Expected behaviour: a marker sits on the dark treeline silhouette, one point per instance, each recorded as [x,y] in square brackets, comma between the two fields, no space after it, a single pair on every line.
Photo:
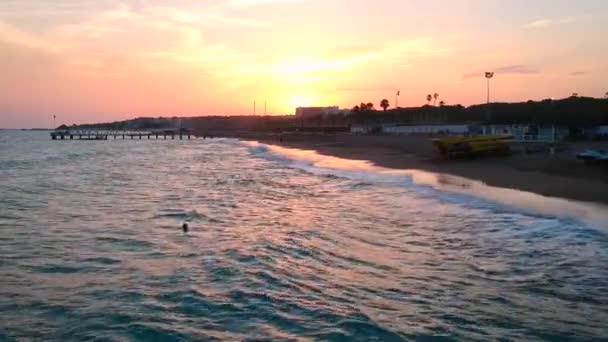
[573,111]
[142,123]
[576,111]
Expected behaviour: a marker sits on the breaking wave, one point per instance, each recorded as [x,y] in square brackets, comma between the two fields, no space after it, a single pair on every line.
[445,187]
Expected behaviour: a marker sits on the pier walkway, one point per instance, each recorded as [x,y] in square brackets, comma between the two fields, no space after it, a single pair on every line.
[94,134]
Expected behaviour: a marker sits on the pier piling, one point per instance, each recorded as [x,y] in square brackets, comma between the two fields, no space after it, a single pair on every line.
[81,134]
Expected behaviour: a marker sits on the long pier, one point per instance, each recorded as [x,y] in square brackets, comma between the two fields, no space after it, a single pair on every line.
[93,134]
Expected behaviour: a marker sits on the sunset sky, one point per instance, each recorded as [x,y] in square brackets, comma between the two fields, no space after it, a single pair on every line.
[105,60]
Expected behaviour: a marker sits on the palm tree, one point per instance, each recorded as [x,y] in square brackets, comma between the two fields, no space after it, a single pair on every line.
[384,104]
[441,103]
[370,106]
[435,96]
[355,110]
[429,98]
[363,107]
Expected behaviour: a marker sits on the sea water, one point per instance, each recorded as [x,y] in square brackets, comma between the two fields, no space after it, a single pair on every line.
[283,245]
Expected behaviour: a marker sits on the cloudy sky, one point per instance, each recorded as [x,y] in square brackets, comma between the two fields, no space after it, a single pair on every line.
[104,60]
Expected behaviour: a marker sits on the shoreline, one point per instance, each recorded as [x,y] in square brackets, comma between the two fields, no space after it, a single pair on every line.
[561,175]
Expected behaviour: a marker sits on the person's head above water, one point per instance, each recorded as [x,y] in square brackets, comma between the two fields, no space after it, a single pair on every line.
[185,227]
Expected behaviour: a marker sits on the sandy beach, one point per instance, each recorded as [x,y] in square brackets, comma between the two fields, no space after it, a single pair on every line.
[560,175]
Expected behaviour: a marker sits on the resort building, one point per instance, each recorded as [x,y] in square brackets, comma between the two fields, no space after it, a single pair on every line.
[601,131]
[426,129]
[312,112]
[411,129]
[528,133]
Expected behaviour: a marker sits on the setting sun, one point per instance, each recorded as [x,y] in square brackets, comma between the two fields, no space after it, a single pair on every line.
[296,101]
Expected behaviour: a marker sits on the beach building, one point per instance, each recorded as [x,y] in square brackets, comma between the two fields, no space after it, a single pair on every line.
[528,133]
[313,112]
[426,129]
[361,129]
[397,129]
[590,132]
[601,131]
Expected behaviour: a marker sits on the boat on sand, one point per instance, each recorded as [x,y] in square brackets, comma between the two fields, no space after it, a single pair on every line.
[475,145]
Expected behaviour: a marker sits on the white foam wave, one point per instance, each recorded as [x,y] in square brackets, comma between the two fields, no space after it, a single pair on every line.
[442,186]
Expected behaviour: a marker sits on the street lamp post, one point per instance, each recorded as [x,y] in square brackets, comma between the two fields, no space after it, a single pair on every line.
[489,75]
[397,98]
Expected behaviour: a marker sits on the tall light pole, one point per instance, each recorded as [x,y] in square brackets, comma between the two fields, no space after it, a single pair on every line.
[489,75]
[397,98]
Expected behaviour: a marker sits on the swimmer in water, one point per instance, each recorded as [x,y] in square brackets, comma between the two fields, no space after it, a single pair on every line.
[185,227]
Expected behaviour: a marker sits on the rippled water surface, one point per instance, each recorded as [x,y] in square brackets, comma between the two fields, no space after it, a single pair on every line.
[279,249]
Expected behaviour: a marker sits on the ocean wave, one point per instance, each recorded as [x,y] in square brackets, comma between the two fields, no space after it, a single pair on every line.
[443,187]
[180,214]
[307,249]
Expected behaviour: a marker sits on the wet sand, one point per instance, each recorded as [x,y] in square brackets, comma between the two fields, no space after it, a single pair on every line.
[560,175]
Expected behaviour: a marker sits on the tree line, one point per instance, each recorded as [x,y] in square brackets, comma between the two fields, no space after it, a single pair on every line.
[572,111]
[385,104]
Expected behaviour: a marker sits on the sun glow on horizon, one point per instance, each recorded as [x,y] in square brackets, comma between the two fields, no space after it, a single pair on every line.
[303,100]
[98,60]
